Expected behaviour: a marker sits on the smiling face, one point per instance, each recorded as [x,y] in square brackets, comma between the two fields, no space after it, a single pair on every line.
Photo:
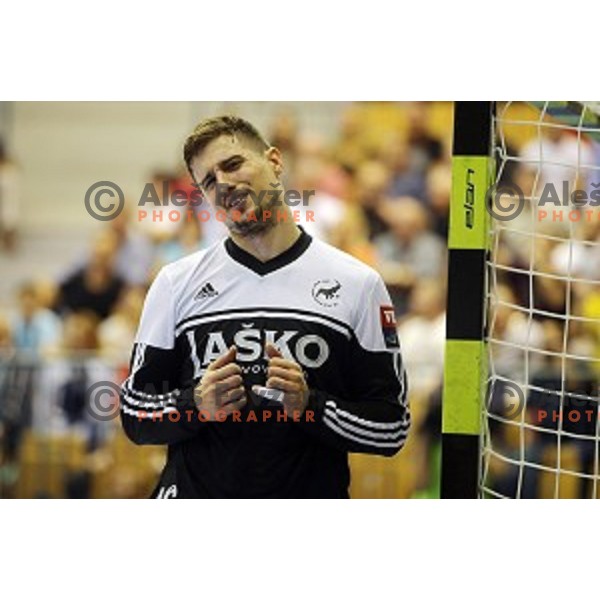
[236,177]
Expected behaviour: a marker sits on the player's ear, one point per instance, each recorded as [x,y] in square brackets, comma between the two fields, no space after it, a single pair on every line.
[273,155]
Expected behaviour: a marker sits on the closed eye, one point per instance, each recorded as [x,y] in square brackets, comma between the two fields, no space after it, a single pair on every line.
[232,164]
[228,165]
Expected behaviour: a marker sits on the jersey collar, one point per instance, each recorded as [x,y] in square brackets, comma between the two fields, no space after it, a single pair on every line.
[281,260]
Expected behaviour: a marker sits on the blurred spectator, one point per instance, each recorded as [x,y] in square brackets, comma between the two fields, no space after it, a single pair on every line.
[284,131]
[363,220]
[516,241]
[349,151]
[328,211]
[512,331]
[11,417]
[6,353]
[116,334]
[35,328]
[439,190]
[284,135]
[17,384]
[10,200]
[96,286]
[409,250]
[61,401]
[162,215]
[406,178]
[557,154]
[513,445]
[189,239]
[5,334]
[80,337]
[134,252]
[423,336]
[587,297]
[549,291]
[557,157]
[569,386]
[47,293]
[573,258]
[371,185]
[579,256]
[425,148]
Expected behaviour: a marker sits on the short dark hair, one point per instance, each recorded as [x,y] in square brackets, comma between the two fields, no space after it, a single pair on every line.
[210,129]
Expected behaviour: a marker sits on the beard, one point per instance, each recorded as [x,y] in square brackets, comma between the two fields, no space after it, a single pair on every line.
[258,225]
[250,227]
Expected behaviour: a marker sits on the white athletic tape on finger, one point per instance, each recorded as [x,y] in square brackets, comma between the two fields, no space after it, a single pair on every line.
[269,393]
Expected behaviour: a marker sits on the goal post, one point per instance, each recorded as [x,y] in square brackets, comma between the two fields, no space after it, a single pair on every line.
[465,366]
[522,366]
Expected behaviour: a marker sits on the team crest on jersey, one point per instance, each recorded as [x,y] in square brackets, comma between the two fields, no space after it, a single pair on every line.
[327,292]
[388,326]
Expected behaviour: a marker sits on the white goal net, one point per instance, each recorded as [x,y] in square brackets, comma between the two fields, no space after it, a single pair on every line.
[540,426]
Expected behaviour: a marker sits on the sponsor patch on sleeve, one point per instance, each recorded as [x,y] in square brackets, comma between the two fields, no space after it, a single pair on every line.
[388,326]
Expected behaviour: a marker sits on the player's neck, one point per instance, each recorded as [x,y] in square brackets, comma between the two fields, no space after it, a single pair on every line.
[270,243]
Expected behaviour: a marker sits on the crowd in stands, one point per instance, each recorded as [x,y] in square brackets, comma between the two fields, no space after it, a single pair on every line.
[383,188]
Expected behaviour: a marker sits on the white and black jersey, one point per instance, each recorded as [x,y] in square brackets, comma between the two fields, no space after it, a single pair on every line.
[323,309]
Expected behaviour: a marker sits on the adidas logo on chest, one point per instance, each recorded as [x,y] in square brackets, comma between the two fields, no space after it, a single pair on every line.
[206,291]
